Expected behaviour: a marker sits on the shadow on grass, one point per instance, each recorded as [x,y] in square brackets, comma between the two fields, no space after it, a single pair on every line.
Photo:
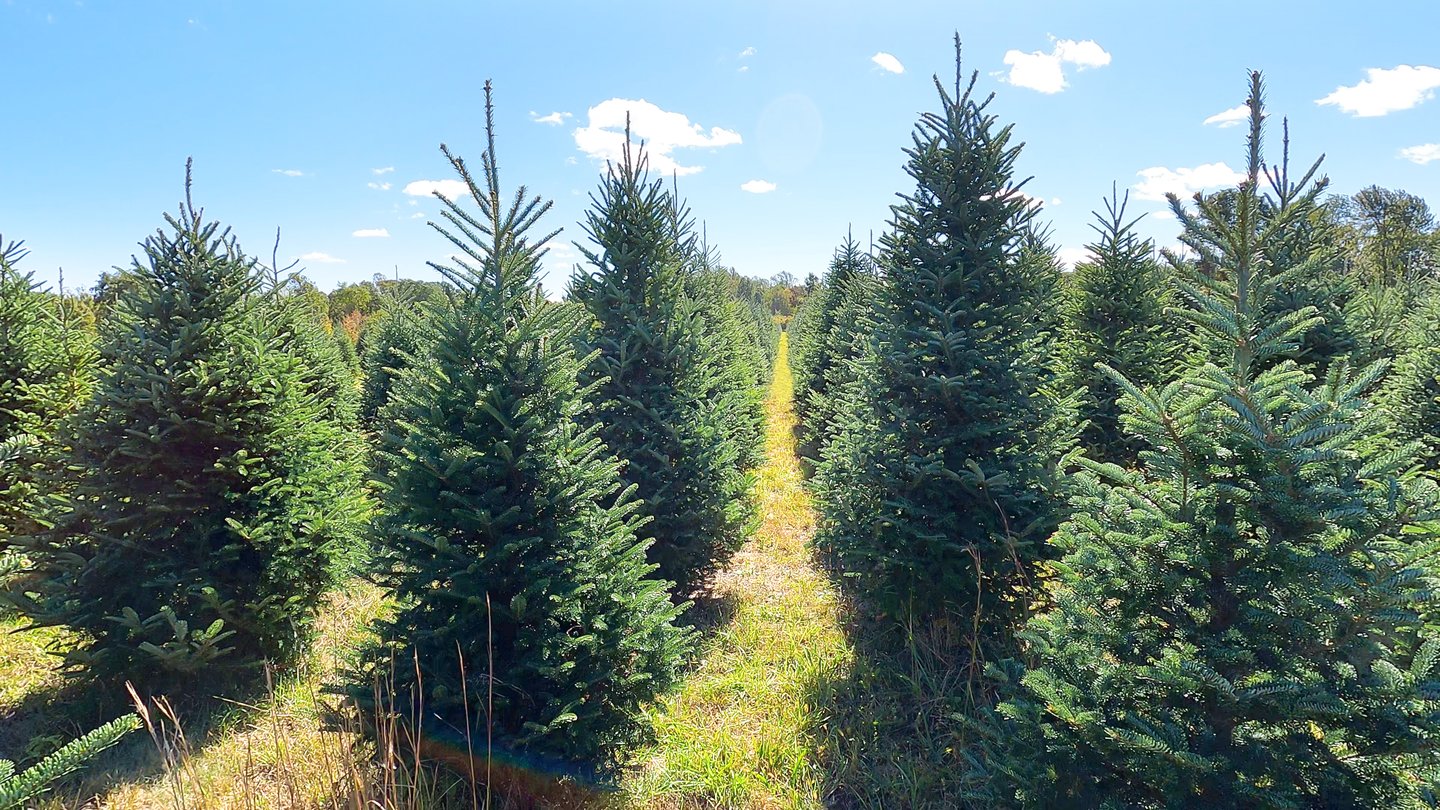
[59,711]
[897,724]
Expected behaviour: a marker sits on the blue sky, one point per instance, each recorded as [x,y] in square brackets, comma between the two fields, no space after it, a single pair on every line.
[786,119]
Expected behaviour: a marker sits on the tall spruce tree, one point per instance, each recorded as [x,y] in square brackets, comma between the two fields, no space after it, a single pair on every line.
[206,515]
[740,337]
[824,339]
[1247,620]
[1114,314]
[25,335]
[652,378]
[935,497]
[505,539]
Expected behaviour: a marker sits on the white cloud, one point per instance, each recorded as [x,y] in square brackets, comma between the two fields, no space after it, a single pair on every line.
[743,69]
[603,138]
[1045,72]
[1054,200]
[1164,213]
[379,186]
[1385,91]
[452,189]
[289,172]
[560,253]
[321,258]
[554,119]
[1422,154]
[418,215]
[888,62]
[372,233]
[757,186]
[385,170]
[1158,180]
[1071,256]
[747,52]
[1230,118]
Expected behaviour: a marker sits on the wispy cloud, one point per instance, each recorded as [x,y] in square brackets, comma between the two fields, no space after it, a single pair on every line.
[289,172]
[887,62]
[321,258]
[452,189]
[378,186]
[1157,181]
[1421,154]
[1385,91]
[1045,72]
[554,119]
[662,131]
[758,186]
[385,170]
[1229,118]
[372,233]
[750,51]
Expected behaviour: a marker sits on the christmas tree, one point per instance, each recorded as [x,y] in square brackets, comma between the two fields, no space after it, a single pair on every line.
[524,602]
[934,492]
[652,378]
[1246,620]
[206,513]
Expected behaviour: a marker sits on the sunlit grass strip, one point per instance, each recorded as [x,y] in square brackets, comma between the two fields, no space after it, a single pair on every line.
[741,732]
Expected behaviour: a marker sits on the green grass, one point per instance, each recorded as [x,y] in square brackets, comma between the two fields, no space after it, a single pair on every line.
[742,731]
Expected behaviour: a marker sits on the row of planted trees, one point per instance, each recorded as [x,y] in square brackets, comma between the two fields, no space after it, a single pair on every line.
[1175,515]
[542,487]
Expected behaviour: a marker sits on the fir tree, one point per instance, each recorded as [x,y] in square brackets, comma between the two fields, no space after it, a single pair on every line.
[21,789]
[1240,622]
[935,494]
[1410,400]
[1114,315]
[390,343]
[24,334]
[824,341]
[653,379]
[205,518]
[740,339]
[47,358]
[505,540]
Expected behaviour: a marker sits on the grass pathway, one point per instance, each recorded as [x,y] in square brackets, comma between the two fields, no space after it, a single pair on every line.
[741,732]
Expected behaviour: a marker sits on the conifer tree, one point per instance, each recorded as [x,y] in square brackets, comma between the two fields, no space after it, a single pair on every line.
[47,358]
[740,338]
[1410,400]
[935,495]
[823,341]
[505,540]
[1246,620]
[205,518]
[24,334]
[390,342]
[653,380]
[1114,315]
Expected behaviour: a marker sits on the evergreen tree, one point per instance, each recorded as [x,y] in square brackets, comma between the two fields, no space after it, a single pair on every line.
[505,540]
[1242,621]
[390,343]
[822,342]
[652,379]
[1410,401]
[47,358]
[740,338]
[206,514]
[24,335]
[1114,315]
[935,493]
